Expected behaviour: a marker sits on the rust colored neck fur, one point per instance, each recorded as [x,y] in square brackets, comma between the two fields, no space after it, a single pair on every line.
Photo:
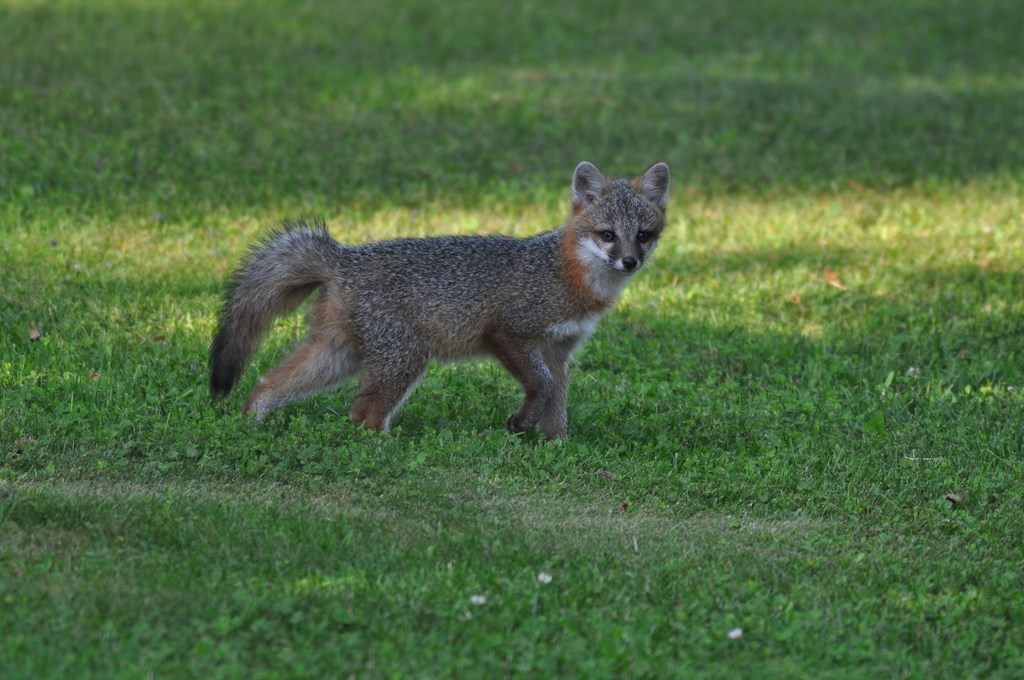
[574,275]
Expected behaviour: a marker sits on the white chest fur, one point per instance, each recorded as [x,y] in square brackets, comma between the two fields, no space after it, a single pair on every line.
[581,328]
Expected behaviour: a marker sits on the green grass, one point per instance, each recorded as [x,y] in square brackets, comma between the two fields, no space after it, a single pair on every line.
[765,432]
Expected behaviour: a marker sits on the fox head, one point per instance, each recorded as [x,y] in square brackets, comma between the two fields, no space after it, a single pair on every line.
[617,223]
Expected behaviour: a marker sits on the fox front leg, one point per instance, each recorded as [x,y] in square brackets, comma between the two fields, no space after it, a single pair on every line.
[539,386]
[554,422]
[538,395]
[528,367]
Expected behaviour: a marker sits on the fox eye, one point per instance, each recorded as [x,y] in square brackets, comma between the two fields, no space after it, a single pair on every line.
[643,236]
[607,236]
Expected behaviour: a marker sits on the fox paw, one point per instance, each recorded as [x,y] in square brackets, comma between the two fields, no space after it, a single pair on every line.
[516,424]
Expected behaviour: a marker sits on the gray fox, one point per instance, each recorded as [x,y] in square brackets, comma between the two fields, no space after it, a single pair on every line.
[386,309]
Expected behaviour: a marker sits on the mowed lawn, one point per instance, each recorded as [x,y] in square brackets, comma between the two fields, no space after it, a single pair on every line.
[796,444]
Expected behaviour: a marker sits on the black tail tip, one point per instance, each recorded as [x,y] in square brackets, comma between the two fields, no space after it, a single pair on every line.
[222,380]
[218,392]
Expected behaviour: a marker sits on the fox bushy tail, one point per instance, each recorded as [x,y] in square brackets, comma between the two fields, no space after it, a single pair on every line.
[278,275]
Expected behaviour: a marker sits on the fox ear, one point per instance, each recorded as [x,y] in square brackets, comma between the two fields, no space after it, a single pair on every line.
[587,183]
[653,185]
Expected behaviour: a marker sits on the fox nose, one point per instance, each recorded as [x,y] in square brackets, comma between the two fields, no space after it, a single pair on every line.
[629,263]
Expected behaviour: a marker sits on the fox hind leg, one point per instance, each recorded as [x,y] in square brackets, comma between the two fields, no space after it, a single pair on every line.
[381,394]
[316,365]
[389,373]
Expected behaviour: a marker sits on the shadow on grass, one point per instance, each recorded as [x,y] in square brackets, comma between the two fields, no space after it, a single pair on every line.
[331,103]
